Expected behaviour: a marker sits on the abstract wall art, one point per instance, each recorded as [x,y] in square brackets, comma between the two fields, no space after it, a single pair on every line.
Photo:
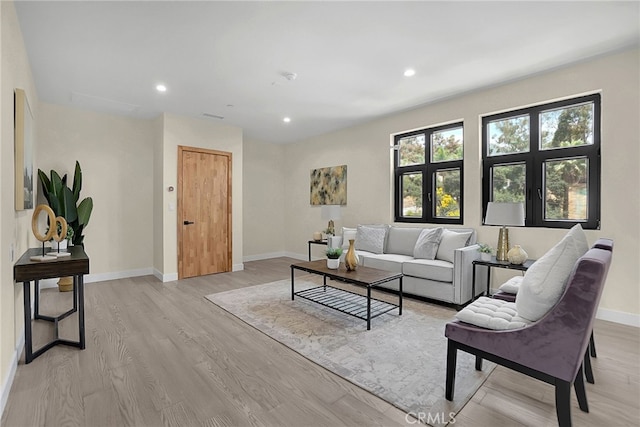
[329,186]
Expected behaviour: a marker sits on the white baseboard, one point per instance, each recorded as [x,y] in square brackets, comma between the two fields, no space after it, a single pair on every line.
[13,367]
[238,267]
[263,256]
[619,317]
[170,277]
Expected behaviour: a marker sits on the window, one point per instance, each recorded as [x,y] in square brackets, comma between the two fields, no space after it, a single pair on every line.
[548,157]
[428,175]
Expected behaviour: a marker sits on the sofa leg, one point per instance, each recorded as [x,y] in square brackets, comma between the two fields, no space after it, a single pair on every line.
[563,403]
[452,354]
[581,394]
[478,363]
[592,346]
[588,372]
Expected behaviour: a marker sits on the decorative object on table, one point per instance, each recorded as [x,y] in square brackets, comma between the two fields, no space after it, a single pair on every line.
[504,214]
[485,251]
[333,258]
[329,186]
[517,255]
[43,237]
[23,148]
[59,237]
[351,258]
[66,203]
[330,212]
[317,236]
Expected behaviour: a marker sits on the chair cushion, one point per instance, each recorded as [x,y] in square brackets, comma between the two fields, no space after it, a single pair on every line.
[450,241]
[402,240]
[492,313]
[426,246]
[387,262]
[438,270]
[544,282]
[512,286]
[371,238]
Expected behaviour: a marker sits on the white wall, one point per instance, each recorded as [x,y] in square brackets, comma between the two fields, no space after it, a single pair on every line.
[365,150]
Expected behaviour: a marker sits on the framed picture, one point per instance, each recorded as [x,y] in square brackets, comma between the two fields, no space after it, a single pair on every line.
[23,121]
[329,186]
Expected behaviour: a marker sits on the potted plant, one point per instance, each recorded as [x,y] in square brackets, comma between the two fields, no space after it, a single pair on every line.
[333,258]
[485,251]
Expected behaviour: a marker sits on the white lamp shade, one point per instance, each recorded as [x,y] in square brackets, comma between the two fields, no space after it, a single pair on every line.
[330,212]
[511,214]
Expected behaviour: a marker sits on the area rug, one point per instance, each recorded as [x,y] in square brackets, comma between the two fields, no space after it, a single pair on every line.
[402,359]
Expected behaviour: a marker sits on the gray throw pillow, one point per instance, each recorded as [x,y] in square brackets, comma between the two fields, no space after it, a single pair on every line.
[371,238]
[451,240]
[427,244]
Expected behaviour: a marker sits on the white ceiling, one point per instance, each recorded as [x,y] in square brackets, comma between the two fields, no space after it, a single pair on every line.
[227,58]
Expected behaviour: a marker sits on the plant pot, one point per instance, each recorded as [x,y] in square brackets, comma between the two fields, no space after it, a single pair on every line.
[485,256]
[65,284]
[63,245]
[333,264]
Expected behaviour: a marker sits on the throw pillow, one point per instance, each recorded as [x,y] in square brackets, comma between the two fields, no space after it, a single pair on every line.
[451,241]
[512,286]
[370,238]
[545,281]
[427,244]
[347,234]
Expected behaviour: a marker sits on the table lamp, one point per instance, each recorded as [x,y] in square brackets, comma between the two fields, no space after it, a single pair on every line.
[504,214]
[330,212]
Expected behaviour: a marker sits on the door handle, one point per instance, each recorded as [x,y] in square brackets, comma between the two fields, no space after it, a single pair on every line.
[188,222]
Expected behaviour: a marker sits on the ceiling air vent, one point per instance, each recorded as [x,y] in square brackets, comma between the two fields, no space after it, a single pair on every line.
[212,116]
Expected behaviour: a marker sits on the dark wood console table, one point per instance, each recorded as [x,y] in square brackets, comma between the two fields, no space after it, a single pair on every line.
[25,270]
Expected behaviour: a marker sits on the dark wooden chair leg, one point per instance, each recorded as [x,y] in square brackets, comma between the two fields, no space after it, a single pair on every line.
[581,394]
[563,403]
[478,363]
[592,346]
[588,372]
[452,355]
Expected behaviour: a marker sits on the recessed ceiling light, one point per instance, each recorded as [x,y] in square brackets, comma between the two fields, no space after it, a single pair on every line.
[161,88]
[286,119]
[409,72]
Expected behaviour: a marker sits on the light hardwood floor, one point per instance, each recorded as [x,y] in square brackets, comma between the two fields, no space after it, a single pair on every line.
[161,354]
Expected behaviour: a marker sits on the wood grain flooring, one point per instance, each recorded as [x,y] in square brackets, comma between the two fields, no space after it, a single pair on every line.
[160,354]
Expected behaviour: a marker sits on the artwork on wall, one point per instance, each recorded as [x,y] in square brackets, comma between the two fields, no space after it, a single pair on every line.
[23,162]
[329,186]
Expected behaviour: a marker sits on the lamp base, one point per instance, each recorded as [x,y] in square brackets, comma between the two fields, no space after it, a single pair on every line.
[331,228]
[503,244]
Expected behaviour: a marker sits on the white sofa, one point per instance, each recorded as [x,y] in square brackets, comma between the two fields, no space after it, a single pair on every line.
[446,278]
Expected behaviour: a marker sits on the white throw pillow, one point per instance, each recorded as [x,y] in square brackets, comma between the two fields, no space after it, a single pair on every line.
[545,280]
[512,286]
[427,244]
[347,234]
[451,241]
[370,238]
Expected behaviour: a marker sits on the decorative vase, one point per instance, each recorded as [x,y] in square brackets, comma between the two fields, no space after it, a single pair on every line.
[333,264]
[317,236]
[517,255]
[484,256]
[351,258]
[65,284]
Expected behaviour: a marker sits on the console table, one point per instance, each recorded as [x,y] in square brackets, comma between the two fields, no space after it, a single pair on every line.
[25,270]
[316,242]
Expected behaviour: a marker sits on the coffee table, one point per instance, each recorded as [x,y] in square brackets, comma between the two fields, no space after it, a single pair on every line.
[354,304]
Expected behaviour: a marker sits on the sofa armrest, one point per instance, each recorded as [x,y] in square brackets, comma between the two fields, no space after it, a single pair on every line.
[334,241]
[463,274]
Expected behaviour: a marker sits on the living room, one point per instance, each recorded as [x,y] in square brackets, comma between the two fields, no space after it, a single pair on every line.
[129,164]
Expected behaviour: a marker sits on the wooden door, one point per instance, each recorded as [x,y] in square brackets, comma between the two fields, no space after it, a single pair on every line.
[204,212]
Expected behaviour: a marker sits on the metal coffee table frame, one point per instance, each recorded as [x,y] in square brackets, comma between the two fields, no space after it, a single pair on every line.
[351,303]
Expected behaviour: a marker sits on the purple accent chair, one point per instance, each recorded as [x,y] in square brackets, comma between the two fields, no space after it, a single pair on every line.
[551,349]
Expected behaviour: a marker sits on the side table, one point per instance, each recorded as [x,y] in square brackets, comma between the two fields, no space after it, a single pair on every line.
[316,242]
[494,263]
[25,270]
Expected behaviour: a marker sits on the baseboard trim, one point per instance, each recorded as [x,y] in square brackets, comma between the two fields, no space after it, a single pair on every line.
[238,267]
[171,277]
[11,374]
[263,256]
[619,317]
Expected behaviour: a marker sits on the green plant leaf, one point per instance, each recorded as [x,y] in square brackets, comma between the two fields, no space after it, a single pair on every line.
[84,211]
[68,205]
[46,185]
[56,184]
[77,181]
[54,204]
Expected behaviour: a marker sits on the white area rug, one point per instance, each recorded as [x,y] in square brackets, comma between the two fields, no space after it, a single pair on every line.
[402,359]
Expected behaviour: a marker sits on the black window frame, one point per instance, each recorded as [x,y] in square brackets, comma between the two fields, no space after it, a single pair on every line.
[535,160]
[428,170]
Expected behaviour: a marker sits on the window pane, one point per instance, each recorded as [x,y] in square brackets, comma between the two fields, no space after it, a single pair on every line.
[566,194]
[447,201]
[508,183]
[508,136]
[412,194]
[566,127]
[412,150]
[446,145]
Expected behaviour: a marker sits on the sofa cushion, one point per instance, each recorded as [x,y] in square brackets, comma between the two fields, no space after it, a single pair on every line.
[512,286]
[387,262]
[545,280]
[426,246]
[492,313]
[402,240]
[438,270]
[450,241]
[371,238]
[347,234]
